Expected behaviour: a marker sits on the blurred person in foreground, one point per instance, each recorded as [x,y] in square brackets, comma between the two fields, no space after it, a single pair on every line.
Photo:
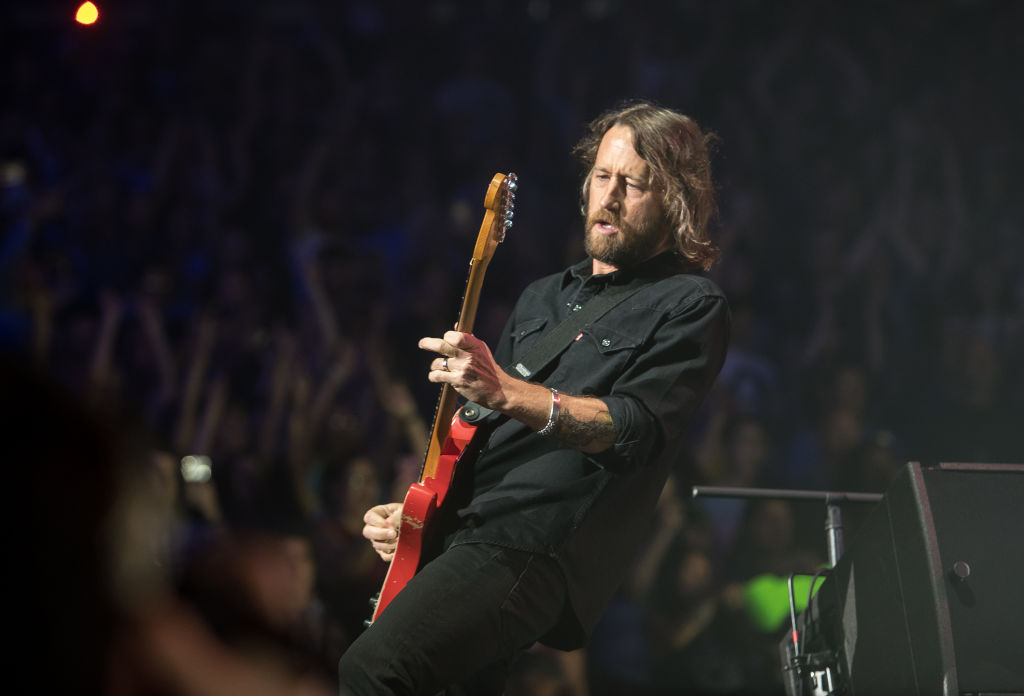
[569,471]
[98,511]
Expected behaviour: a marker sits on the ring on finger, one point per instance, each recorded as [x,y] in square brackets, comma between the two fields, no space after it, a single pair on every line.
[444,364]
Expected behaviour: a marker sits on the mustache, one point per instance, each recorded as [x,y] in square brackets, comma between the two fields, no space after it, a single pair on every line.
[605,216]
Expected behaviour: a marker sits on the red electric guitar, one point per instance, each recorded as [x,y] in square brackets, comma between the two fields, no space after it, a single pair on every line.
[450,435]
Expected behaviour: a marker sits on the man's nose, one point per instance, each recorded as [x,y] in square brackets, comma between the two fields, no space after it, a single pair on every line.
[611,197]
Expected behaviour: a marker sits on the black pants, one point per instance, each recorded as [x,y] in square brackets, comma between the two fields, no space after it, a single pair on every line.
[457,626]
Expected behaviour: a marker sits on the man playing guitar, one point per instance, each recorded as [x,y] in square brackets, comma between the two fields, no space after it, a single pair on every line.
[569,467]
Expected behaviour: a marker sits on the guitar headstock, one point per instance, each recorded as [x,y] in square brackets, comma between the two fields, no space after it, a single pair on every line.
[500,209]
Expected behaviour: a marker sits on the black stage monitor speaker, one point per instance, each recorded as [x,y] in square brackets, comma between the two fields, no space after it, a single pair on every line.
[929,596]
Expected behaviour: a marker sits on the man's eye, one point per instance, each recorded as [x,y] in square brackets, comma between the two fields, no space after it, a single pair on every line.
[601,177]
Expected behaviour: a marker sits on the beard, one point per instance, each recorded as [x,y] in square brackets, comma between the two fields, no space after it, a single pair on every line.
[631,246]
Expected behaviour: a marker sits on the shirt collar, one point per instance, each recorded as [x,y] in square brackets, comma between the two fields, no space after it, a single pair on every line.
[664,264]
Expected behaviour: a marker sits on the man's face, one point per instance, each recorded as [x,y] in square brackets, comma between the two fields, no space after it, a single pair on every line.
[625,220]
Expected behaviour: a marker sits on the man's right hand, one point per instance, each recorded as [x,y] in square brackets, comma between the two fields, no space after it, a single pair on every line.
[382,524]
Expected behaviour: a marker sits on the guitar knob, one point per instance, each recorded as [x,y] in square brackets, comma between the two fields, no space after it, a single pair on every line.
[960,571]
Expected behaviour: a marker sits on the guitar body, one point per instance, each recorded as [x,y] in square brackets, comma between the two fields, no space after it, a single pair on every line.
[421,502]
[450,436]
[417,514]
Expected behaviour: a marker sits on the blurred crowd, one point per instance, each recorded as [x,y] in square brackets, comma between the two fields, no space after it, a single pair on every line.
[225,225]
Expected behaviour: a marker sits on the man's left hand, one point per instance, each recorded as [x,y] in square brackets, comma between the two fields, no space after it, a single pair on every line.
[466,363]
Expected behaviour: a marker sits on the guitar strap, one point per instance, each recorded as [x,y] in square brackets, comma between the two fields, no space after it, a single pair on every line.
[554,343]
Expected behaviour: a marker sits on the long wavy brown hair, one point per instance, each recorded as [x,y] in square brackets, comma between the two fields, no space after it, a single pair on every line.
[678,153]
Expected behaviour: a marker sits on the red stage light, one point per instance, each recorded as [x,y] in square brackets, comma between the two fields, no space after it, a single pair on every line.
[87,13]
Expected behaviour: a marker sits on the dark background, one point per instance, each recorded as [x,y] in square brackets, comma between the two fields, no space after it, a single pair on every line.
[217,164]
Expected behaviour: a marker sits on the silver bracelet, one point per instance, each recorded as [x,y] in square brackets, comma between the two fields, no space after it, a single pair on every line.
[556,407]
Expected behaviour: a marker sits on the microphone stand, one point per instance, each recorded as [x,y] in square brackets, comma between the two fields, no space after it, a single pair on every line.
[816,667]
[832,499]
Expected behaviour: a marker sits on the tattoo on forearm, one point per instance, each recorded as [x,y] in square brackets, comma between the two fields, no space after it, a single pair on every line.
[580,433]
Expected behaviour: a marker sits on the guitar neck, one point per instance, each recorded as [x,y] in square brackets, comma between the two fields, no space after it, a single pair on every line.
[471,298]
[497,219]
[449,397]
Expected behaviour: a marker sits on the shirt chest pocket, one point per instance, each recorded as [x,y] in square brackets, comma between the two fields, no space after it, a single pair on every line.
[602,348]
[526,334]
[611,342]
[618,337]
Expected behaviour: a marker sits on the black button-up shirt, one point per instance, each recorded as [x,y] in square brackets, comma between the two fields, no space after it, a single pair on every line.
[651,359]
